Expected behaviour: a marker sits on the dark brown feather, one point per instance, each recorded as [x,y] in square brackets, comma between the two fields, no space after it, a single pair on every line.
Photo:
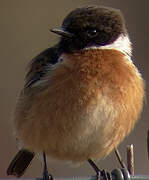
[20,163]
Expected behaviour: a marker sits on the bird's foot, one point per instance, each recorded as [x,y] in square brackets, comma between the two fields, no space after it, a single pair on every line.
[105,175]
[47,176]
[100,173]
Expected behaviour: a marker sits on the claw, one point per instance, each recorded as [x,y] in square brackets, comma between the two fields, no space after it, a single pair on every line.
[105,175]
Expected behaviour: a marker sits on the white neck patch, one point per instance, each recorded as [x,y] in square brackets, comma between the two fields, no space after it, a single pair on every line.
[122,43]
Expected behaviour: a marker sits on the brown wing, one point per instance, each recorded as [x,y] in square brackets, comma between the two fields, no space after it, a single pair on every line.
[40,64]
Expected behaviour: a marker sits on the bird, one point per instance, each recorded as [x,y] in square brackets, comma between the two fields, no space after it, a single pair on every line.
[82,96]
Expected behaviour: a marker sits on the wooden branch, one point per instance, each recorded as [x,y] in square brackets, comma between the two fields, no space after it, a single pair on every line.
[130,159]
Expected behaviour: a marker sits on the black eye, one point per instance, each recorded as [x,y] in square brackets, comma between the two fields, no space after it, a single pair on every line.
[91,32]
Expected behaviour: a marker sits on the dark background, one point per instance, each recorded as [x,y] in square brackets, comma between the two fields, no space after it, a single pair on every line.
[24,32]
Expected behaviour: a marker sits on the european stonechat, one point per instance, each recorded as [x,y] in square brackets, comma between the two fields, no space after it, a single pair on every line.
[81,97]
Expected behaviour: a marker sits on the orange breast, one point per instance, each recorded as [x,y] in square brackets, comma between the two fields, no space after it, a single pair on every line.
[88,104]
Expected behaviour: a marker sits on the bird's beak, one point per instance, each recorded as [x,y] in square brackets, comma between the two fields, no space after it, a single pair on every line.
[62,32]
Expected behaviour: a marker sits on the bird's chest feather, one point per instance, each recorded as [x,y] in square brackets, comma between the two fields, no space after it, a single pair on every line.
[79,89]
[85,88]
[88,99]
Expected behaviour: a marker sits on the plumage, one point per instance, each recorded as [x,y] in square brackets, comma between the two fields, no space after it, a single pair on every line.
[83,96]
[89,92]
[20,163]
[38,67]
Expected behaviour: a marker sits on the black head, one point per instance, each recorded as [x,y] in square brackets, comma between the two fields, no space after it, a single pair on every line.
[90,26]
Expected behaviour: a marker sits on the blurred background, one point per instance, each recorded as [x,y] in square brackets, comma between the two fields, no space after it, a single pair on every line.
[24,33]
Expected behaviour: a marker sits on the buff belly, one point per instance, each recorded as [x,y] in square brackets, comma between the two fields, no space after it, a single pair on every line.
[81,116]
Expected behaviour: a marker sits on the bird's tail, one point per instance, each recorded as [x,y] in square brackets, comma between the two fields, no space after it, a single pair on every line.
[20,163]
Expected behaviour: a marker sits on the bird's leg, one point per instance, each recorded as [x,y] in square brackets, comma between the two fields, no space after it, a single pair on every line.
[94,166]
[99,173]
[46,175]
[120,159]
